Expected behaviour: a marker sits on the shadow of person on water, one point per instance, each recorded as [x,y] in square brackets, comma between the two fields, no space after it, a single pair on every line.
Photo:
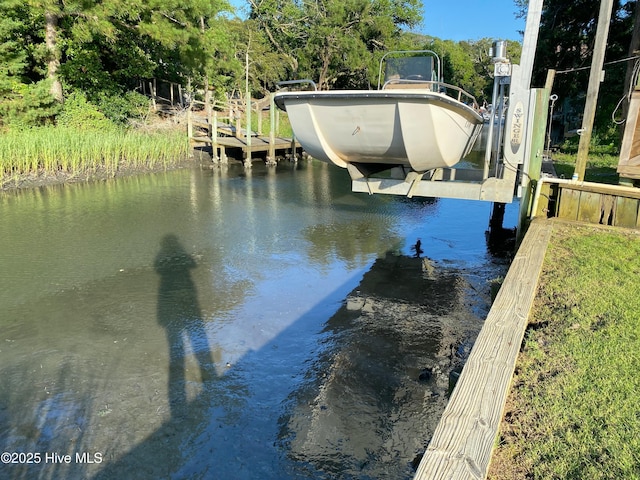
[192,379]
[179,314]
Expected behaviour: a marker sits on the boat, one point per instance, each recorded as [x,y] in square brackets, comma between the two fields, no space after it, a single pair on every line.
[412,120]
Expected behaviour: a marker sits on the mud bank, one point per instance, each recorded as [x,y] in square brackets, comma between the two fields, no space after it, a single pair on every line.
[45,179]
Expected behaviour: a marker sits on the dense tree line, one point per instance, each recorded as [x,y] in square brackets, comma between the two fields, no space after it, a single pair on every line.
[100,49]
[90,52]
[57,58]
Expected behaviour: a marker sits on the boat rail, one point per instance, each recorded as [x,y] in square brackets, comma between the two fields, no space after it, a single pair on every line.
[304,81]
[435,86]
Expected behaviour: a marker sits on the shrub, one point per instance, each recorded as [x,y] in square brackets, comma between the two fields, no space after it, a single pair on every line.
[122,108]
[29,105]
[78,113]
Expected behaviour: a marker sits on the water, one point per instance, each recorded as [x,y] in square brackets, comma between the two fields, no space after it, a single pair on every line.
[266,324]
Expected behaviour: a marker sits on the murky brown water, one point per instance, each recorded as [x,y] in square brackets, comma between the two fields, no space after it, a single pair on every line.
[228,324]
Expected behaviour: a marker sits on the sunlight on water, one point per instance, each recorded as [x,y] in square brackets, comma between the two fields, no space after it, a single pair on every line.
[223,323]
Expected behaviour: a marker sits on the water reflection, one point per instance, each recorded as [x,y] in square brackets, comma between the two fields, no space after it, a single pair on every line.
[179,314]
[370,386]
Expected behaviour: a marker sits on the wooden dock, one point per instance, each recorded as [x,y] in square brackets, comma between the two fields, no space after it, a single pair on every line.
[463,441]
[224,146]
[226,137]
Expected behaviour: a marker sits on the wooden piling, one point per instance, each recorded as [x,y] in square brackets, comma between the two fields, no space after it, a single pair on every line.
[271,156]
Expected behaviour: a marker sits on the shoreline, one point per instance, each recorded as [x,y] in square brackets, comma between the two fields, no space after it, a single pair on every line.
[50,179]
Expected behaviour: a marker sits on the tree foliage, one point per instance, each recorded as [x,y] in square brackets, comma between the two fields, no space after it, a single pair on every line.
[101,49]
[468,63]
[335,42]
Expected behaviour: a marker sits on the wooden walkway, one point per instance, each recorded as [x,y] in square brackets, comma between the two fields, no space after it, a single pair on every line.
[463,440]
[259,143]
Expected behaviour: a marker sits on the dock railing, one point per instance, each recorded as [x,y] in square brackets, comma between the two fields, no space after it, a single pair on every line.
[225,126]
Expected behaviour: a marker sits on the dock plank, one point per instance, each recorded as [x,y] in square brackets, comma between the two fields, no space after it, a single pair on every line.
[463,440]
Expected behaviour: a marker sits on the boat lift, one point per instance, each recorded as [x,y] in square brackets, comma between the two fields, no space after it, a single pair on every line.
[500,178]
[513,155]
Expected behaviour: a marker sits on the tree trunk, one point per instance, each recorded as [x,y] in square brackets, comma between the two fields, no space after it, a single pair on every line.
[53,62]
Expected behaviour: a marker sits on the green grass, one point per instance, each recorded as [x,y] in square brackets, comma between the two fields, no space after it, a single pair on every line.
[55,149]
[574,408]
[602,160]
[600,168]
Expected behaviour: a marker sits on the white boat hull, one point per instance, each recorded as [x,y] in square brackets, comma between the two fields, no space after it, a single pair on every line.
[419,129]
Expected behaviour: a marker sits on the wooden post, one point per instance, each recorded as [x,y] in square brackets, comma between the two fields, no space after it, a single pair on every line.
[271,157]
[538,126]
[238,123]
[294,157]
[212,132]
[190,128]
[207,100]
[629,160]
[214,136]
[247,160]
[189,120]
[551,75]
[595,77]
[152,87]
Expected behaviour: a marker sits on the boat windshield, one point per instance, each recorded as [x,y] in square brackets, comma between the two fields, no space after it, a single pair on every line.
[410,68]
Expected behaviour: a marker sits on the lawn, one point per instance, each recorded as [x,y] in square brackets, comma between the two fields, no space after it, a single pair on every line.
[601,167]
[574,408]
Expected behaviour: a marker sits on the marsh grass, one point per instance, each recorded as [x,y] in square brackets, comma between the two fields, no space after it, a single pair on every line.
[573,412]
[56,149]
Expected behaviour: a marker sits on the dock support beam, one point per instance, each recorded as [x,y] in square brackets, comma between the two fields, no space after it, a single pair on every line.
[595,77]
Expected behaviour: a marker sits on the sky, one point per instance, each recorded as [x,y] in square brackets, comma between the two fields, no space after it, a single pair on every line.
[472,19]
[461,19]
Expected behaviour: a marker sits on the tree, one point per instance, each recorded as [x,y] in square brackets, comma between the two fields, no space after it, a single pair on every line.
[25,95]
[13,56]
[467,64]
[103,48]
[267,66]
[336,42]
